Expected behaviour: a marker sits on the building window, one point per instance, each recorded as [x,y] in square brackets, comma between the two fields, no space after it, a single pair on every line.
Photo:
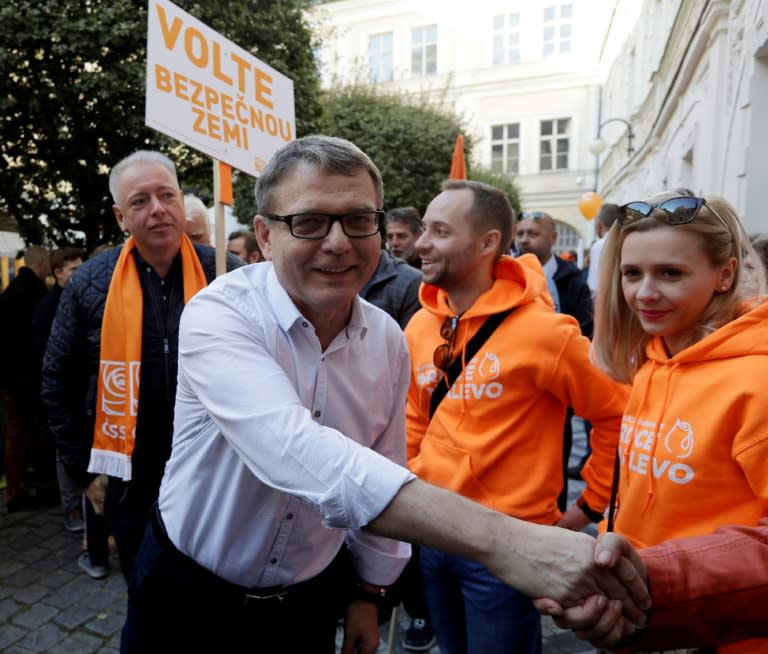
[505,149]
[557,30]
[554,144]
[380,57]
[424,50]
[506,39]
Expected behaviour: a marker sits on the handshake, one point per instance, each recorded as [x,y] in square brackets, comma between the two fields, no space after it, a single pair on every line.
[614,615]
[703,590]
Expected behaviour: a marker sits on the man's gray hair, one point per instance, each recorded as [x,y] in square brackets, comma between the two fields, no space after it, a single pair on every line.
[326,153]
[138,157]
[193,205]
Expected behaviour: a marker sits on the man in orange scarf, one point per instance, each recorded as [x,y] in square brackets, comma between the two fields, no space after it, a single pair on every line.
[109,375]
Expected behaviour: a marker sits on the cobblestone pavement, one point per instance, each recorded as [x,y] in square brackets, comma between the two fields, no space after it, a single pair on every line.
[47,604]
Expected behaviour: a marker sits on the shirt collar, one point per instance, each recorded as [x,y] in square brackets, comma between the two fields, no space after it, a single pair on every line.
[288,314]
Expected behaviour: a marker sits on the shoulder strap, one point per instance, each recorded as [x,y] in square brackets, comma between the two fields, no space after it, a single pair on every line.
[614,491]
[454,370]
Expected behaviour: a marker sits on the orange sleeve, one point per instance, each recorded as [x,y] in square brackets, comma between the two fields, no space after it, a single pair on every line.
[416,412]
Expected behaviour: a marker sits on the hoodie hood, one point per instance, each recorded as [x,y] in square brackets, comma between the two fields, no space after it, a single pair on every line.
[747,334]
[517,282]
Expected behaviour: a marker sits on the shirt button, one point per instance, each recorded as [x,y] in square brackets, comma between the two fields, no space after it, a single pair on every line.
[317,414]
[289,516]
[273,561]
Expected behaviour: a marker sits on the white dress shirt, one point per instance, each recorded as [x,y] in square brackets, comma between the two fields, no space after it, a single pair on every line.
[280,448]
[594,265]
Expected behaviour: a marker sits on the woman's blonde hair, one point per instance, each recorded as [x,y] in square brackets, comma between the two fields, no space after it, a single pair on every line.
[619,339]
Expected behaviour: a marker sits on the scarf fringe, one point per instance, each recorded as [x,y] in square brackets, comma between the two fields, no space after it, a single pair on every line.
[112,464]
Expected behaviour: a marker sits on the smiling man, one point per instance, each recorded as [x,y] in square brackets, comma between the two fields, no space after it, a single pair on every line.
[496,436]
[109,373]
[286,483]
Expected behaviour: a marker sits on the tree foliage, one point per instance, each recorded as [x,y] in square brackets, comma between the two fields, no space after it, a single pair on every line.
[72,102]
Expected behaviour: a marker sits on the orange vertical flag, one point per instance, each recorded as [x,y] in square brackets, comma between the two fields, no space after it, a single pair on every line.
[458,165]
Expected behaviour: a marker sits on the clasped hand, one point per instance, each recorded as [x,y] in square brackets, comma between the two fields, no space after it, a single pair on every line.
[620,609]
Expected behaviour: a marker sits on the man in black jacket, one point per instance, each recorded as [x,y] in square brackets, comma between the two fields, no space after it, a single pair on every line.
[17,303]
[537,234]
[148,204]
[64,262]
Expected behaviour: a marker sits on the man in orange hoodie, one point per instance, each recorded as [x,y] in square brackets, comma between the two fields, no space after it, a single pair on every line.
[496,436]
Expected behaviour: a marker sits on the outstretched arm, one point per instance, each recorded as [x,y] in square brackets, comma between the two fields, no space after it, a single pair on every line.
[535,559]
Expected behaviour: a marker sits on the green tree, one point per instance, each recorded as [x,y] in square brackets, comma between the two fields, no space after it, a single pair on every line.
[72,102]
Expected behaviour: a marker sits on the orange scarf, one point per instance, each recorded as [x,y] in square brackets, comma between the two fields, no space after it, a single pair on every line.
[117,399]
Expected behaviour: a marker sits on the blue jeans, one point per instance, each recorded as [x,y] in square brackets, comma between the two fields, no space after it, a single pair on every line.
[472,612]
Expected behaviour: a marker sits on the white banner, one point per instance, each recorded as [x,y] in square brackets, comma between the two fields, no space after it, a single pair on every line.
[209,93]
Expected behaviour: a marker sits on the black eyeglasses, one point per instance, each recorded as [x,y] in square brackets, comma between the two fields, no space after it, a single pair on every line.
[313,225]
[443,354]
[675,211]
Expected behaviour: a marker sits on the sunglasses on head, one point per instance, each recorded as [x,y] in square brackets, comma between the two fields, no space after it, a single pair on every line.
[675,211]
[531,215]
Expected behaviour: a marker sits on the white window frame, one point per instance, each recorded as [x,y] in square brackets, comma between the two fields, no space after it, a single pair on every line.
[508,163]
[506,39]
[381,57]
[424,50]
[558,144]
[557,31]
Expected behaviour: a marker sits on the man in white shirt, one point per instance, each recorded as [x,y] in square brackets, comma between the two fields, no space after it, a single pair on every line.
[605,218]
[286,481]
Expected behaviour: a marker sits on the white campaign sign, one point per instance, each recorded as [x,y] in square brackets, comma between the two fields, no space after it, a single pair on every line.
[209,93]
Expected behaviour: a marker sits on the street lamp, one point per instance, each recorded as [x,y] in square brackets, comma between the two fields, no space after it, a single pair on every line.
[598,145]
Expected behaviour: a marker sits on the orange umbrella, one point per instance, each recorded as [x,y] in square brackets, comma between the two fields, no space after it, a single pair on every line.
[458,166]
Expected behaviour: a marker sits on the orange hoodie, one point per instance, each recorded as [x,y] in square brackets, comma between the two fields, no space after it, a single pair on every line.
[694,440]
[497,436]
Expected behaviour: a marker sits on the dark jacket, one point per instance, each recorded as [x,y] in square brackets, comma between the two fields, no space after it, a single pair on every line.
[71,368]
[575,298]
[394,288]
[40,326]
[17,303]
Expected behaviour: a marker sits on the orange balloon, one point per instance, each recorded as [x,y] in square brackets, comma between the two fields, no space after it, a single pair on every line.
[590,204]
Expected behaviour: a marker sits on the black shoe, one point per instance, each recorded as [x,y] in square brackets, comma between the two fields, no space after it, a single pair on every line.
[574,472]
[419,636]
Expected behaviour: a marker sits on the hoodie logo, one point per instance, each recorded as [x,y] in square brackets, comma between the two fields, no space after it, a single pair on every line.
[638,453]
[477,381]
[679,439]
[489,366]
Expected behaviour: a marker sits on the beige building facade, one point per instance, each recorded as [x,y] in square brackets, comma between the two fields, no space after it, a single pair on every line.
[536,80]
[692,79]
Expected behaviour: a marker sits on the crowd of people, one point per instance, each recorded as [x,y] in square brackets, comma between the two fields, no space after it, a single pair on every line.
[379,412]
